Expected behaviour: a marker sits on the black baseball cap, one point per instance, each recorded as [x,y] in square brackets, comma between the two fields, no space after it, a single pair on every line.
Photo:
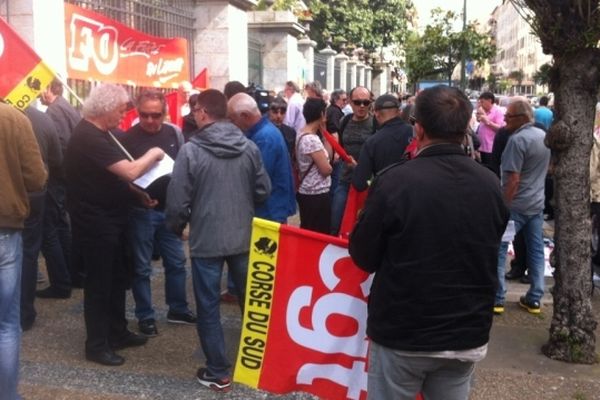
[386,101]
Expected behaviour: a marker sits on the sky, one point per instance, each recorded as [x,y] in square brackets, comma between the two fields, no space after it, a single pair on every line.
[476,9]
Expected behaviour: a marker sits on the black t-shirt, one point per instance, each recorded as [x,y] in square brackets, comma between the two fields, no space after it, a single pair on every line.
[137,141]
[94,191]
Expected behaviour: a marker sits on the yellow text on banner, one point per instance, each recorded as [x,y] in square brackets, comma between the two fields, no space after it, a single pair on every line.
[30,87]
[258,304]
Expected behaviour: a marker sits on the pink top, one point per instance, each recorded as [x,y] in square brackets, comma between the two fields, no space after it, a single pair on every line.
[485,133]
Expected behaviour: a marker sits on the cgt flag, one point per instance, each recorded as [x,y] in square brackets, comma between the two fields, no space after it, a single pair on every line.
[305,315]
[23,75]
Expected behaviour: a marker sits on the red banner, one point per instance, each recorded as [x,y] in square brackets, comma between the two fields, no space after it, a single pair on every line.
[106,50]
[23,75]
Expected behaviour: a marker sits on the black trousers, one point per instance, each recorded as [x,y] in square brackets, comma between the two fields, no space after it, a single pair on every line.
[32,242]
[56,246]
[102,249]
[315,212]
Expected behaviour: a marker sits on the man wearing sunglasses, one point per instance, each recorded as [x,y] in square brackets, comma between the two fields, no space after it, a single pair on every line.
[277,110]
[354,131]
[147,225]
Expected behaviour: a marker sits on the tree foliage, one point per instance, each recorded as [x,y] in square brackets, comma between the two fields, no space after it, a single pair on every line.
[440,48]
[569,30]
[362,23]
[542,75]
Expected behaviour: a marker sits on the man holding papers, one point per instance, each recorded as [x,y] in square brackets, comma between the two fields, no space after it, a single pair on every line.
[147,225]
[98,198]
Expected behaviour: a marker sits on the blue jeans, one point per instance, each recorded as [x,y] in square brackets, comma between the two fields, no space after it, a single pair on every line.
[11,257]
[338,205]
[144,227]
[206,275]
[531,225]
[338,167]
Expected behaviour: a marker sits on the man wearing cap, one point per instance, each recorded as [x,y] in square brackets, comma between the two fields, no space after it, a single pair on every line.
[387,146]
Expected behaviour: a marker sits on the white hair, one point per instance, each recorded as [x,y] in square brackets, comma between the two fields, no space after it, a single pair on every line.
[104,99]
[242,102]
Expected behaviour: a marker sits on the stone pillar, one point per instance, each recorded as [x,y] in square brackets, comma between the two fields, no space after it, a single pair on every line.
[329,78]
[221,42]
[306,46]
[368,77]
[342,59]
[380,81]
[352,67]
[278,31]
[360,73]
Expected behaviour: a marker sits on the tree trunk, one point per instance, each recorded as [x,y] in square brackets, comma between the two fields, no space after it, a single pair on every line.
[572,336]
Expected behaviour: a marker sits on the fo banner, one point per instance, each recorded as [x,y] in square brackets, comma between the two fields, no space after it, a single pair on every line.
[305,316]
[105,50]
[23,75]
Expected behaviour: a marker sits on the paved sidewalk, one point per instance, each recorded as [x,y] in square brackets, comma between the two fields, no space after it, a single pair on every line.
[53,364]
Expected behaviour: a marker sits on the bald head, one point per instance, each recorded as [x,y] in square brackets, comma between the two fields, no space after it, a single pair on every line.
[243,111]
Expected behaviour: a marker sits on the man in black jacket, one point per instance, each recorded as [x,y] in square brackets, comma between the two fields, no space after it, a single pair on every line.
[430,230]
[387,146]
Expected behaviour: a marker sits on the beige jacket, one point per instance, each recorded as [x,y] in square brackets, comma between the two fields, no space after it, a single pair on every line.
[21,167]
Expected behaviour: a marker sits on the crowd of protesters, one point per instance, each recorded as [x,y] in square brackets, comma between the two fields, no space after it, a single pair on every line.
[435,215]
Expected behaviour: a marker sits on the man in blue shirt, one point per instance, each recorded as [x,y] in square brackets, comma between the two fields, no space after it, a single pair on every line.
[543,115]
[243,112]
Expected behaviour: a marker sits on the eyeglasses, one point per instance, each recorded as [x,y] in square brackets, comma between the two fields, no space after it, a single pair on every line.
[278,110]
[513,115]
[145,115]
[365,103]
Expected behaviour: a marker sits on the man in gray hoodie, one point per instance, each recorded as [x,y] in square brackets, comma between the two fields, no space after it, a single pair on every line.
[217,181]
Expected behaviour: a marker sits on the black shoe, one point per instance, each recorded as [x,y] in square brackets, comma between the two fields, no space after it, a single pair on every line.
[532,306]
[148,328]
[515,273]
[187,318]
[52,293]
[525,279]
[129,340]
[106,357]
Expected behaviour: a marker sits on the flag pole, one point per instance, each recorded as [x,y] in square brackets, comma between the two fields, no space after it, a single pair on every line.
[69,88]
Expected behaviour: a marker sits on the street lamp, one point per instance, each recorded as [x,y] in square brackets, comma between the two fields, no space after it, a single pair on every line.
[463,78]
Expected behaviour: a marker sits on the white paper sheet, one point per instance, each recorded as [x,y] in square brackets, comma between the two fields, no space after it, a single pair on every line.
[162,168]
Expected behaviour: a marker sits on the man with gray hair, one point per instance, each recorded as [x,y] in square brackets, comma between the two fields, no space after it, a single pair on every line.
[523,169]
[293,115]
[98,172]
[243,111]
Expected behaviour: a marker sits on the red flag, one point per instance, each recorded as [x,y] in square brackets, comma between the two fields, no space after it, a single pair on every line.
[354,204]
[23,75]
[201,80]
[128,119]
[337,147]
[305,315]
[174,107]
